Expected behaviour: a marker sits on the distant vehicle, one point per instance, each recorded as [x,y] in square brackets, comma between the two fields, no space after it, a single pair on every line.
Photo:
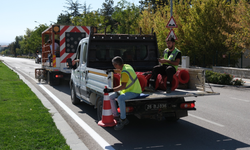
[38,59]
[69,37]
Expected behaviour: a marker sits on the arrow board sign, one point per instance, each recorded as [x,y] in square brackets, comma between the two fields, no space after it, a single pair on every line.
[171,23]
[172,34]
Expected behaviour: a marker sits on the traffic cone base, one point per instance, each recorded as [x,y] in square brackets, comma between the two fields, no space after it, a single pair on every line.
[112,122]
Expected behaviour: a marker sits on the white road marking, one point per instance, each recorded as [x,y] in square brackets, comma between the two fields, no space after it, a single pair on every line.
[87,128]
[244,100]
[105,145]
[214,123]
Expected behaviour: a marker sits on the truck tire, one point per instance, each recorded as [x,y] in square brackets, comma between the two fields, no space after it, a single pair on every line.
[74,99]
[99,109]
[51,80]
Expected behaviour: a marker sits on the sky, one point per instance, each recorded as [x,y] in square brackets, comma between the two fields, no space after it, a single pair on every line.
[18,15]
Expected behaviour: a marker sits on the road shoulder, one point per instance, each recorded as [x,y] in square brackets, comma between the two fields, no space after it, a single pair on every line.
[71,137]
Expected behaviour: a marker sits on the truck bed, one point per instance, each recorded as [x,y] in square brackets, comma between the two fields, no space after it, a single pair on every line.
[175,94]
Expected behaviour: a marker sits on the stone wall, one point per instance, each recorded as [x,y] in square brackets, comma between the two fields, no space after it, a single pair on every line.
[237,72]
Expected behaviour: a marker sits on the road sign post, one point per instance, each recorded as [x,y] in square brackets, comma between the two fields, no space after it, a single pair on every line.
[171,23]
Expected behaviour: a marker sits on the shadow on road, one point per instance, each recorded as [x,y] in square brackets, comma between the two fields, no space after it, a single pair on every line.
[182,135]
[162,135]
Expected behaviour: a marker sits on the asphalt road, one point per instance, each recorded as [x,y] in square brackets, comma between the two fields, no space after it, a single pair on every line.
[220,122]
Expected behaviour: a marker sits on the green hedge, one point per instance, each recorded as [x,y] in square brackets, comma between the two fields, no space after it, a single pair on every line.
[222,78]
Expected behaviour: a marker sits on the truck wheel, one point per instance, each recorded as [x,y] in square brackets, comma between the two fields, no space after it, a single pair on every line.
[51,80]
[99,109]
[74,99]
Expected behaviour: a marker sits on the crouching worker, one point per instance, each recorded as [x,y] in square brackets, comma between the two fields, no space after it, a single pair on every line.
[129,88]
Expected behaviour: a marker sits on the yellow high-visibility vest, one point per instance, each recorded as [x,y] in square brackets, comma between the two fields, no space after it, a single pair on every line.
[171,57]
[133,84]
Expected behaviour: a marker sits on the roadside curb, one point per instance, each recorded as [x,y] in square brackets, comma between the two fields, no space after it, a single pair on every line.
[71,137]
[220,85]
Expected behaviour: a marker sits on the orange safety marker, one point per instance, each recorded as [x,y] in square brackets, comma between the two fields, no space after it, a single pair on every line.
[54,60]
[107,116]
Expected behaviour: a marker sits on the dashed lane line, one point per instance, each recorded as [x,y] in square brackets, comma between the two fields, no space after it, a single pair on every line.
[244,100]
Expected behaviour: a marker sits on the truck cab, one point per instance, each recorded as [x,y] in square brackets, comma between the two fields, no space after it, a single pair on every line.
[79,74]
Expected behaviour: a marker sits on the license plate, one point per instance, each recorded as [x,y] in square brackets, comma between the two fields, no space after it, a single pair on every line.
[155,106]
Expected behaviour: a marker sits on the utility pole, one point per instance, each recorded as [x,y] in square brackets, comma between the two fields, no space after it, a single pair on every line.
[171,7]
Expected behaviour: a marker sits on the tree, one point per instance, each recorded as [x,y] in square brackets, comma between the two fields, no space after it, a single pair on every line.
[107,11]
[86,9]
[153,4]
[33,39]
[156,21]
[11,47]
[88,19]
[207,29]
[64,19]
[126,17]
[73,8]
[15,46]
[24,43]
[241,37]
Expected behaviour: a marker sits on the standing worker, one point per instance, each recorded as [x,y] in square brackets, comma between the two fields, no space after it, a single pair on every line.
[129,88]
[56,47]
[169,65]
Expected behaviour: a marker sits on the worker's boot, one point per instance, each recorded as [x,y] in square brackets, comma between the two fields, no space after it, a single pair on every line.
[168,89]
[121,124]
[149,88]
[117,118]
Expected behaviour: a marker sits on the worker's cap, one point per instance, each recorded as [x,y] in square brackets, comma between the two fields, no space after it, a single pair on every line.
[48,41]
[170,39]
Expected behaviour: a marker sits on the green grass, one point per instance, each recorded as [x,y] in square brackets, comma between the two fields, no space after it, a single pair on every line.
[24,122]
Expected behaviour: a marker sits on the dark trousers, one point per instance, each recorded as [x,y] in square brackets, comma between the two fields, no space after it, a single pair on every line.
[163,70]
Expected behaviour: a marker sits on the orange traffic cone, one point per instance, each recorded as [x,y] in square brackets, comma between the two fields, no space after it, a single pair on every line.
[107,116]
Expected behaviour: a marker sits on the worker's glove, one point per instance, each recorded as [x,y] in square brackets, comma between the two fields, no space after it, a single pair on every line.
[106,90]
[109,70]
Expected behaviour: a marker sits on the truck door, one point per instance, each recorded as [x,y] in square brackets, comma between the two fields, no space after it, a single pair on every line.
[83,58]
[77,72]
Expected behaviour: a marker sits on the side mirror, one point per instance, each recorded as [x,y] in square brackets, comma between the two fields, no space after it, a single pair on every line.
[69,63]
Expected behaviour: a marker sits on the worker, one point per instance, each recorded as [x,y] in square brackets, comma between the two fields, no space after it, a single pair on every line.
[129,88]
[169,65]
[56,47]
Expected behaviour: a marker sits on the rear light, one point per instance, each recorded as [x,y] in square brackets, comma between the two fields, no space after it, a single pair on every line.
[187,105]
[59,76]
[128,109]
